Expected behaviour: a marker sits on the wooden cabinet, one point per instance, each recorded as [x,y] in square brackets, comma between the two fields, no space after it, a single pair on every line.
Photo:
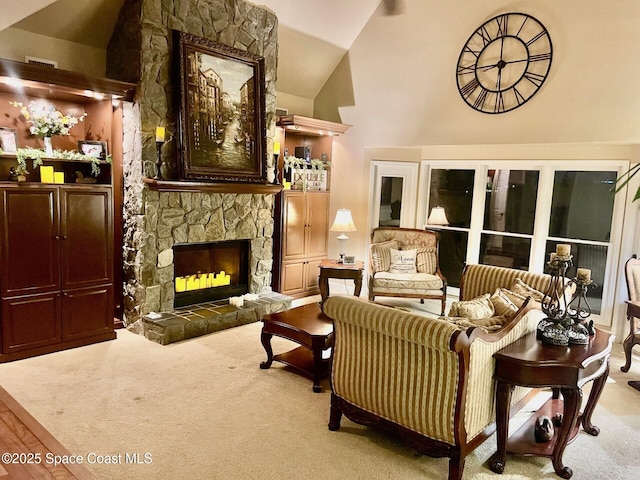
[302,217]
[56,267]
[305,240]
[73,93]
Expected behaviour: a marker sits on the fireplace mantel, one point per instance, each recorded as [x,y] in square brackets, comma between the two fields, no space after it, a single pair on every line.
[209,187]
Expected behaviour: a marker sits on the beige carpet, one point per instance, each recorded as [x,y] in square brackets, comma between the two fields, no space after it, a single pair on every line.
[202,409]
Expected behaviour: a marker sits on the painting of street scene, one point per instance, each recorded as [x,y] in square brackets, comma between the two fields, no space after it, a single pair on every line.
[222,135]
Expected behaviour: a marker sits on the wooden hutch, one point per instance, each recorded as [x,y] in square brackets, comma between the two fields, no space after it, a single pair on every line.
[302,221]
[60,243]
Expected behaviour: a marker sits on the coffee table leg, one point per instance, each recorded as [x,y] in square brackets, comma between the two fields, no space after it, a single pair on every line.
[265,338]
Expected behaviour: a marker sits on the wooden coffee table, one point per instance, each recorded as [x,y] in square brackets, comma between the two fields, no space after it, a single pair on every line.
[307,326]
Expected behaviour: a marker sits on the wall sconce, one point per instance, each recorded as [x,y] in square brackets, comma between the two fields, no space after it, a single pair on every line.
[343,223]
[437,217]
[160,134]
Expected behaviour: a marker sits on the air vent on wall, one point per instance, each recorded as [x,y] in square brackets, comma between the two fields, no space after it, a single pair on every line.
[281,111]
[41,61]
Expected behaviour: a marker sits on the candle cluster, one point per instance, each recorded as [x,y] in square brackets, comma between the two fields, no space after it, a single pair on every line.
[202,280]
[239,301]
[48,175]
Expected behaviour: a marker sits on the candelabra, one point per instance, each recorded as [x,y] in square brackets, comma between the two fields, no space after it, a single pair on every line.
[566,323]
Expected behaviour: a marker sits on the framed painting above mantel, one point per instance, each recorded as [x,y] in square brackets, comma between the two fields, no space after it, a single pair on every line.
[222,112]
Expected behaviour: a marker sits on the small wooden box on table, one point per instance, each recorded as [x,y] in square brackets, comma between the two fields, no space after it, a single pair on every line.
[307,326]
[527,362]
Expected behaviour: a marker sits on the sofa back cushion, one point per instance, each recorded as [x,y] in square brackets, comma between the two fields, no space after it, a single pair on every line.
[480,279]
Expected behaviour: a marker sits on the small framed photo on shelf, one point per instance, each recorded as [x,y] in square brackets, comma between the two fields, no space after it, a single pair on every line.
[93,148]
[349,260]
[8,140]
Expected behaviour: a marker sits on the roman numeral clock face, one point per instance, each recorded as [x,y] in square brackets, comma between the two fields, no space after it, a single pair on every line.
[504,63]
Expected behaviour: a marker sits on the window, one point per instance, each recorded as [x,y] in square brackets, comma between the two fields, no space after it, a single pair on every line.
[499,214]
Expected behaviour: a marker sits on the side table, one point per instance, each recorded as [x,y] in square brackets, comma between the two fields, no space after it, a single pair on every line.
[527,362]
[333,269]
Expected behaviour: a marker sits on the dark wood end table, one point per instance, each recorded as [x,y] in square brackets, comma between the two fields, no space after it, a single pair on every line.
[333,269]
[307,326]
[527,362]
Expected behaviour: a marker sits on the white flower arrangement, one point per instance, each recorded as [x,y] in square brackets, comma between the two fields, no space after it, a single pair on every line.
[45,120]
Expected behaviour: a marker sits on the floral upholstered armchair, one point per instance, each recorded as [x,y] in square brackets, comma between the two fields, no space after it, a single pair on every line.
[403,262]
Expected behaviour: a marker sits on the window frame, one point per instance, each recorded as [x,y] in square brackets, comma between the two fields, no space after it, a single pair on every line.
[547,169]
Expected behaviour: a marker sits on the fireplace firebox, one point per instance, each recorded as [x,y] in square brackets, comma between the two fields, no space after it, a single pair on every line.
[210,271]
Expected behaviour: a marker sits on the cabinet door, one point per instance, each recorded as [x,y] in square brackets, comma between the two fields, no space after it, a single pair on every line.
[87,312]
[30,322]
[87,236]
[293,278]
[29,254]
[295,225]
[318,221]
[313,270]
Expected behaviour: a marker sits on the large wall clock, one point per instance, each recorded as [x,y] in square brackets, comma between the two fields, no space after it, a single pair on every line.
[504,63]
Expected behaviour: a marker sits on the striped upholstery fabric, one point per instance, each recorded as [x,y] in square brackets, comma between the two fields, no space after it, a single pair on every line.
[480,402]
[395,364]
[426,260]
[480,279]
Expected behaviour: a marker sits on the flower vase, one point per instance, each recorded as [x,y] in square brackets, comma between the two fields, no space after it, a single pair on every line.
[48,148]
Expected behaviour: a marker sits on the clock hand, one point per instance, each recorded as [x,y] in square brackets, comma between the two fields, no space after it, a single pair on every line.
[484,68]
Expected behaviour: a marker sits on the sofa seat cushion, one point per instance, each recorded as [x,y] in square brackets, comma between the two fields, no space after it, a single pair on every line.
[386,281]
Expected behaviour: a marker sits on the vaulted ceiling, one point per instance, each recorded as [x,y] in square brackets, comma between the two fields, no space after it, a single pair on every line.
[313,35]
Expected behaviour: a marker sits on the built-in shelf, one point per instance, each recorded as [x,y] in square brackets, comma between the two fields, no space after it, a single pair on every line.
[210,187]
[311,126]
[54,83]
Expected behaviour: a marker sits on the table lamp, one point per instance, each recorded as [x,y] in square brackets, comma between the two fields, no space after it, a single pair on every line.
[343,223]
[437,217]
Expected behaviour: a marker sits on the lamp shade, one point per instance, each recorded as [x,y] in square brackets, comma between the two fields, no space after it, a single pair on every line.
[437,217]
[343,221]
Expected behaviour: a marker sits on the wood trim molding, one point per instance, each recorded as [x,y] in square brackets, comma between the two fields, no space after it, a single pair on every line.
[210,187]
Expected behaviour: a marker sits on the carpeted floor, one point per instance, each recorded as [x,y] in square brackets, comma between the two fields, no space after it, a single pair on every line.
[203,409]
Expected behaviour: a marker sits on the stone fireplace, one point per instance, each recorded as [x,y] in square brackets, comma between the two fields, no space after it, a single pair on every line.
[158,218]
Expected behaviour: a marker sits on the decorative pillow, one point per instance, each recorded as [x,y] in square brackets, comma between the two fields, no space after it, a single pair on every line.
[523,289]
[426,260]
[490,324]
[516,298]
[479,307]
[381,255]
[403,261]
[502,304]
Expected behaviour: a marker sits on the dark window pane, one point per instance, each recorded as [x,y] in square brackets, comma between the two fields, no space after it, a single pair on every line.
[453,253]
[453,190]
[593,257]
[501,251]
[510,204]
[582,205]
[390,201]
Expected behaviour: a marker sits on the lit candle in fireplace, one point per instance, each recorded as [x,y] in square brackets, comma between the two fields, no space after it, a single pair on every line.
[202,280]
[181,284]
[192,283]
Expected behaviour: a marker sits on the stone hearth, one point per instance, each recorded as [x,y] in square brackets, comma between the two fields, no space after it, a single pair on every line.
[203,318]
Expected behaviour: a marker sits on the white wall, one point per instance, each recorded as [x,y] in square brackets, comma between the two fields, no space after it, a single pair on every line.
[397,87]
[15,44]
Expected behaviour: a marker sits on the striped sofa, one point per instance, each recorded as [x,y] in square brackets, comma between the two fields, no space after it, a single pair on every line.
[422,377]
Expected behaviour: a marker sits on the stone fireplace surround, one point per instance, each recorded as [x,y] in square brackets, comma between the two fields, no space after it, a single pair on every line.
[140,51]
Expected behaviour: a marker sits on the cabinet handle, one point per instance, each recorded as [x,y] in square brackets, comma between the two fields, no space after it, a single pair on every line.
[64,237]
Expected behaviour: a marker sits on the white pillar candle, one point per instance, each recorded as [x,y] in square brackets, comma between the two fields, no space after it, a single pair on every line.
[552,255]
[584,274]
[563,249]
